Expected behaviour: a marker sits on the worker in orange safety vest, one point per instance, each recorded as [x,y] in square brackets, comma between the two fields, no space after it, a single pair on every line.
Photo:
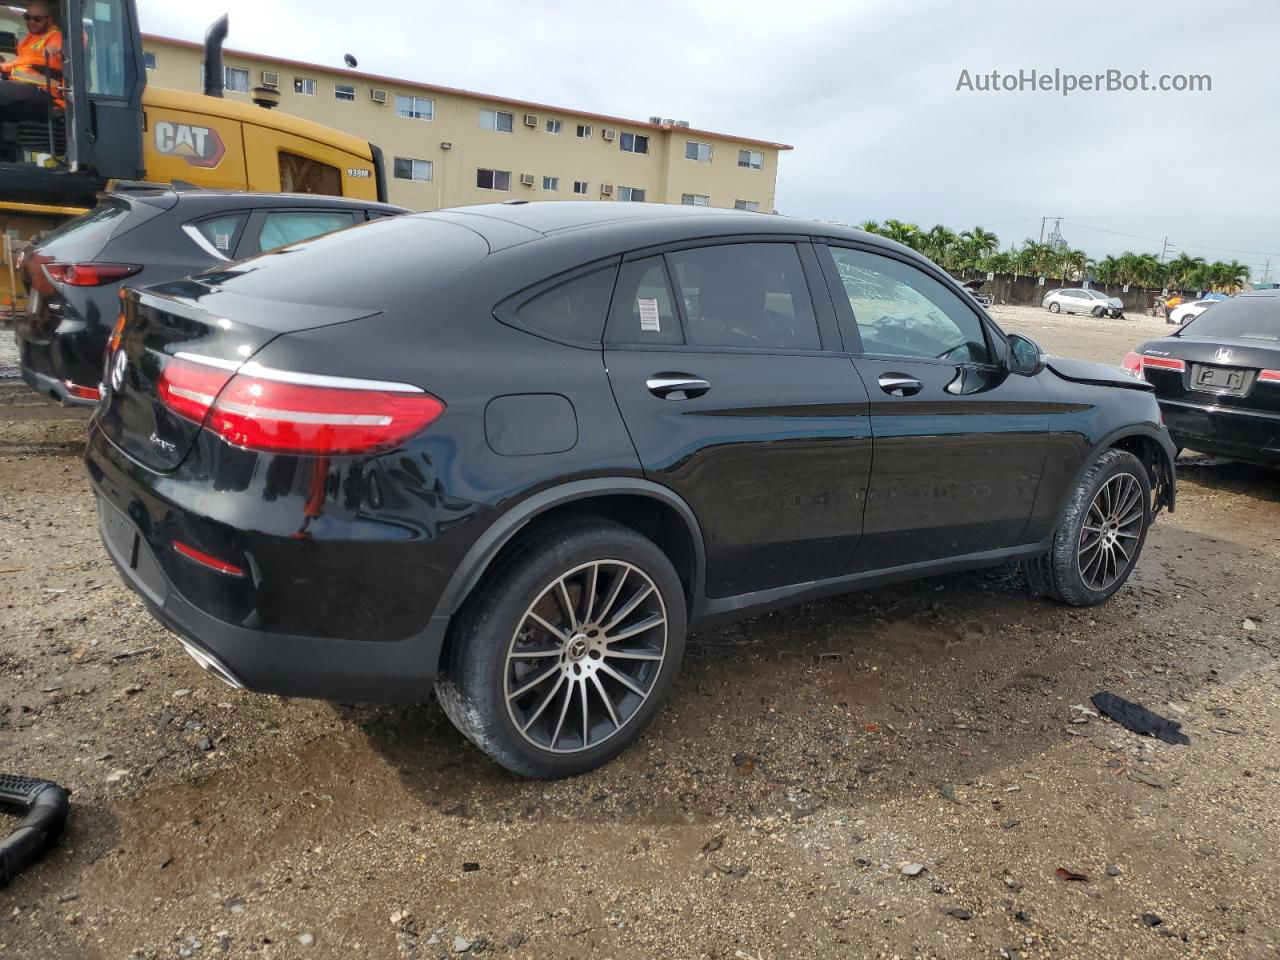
[31,85]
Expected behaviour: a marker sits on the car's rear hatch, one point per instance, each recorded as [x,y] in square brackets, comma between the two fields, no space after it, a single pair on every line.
[222,330]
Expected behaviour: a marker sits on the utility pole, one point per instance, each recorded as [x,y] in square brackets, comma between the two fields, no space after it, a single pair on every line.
[1266,271]
[1164,248]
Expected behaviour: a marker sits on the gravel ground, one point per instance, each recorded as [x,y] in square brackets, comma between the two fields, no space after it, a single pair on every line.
[805,758]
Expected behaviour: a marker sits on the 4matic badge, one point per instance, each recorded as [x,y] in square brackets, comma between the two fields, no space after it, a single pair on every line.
[199,146]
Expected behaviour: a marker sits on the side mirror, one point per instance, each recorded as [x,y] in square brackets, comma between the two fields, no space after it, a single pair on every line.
[1023,356]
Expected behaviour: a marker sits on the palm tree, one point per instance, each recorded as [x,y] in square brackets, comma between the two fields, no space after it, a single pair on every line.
[984,242]
[939,245]
[1107,270]
[1183,270]
[907,233]
[870,226]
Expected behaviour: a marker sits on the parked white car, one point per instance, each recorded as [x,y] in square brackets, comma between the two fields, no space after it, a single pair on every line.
[1189,311]
[1079,300]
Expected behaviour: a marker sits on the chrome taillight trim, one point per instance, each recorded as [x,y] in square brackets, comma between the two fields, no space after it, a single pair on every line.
[252,368]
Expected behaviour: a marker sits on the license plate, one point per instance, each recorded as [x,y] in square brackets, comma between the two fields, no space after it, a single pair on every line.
[1223,379]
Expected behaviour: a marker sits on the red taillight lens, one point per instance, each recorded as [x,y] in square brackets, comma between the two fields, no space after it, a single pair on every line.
[283,412]
[80,392]
[1164,363]
[1132,364]
[207,560]
[89,274]
[1272,375]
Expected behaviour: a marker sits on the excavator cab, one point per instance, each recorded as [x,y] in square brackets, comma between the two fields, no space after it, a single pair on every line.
[96,133]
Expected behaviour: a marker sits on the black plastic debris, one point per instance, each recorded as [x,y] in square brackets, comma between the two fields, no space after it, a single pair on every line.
[1136,717]
[43,807]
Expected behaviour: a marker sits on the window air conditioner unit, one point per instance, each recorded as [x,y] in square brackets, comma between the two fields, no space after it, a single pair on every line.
[530,120]
[608,134]
[655,120]
[270,79]
[378,96]
[682,123]
[526,179]
[606,189]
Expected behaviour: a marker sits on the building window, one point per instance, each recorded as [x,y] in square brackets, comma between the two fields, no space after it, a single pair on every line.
[344,91]
[406,168]
[498,120]
[580,186]
[415,108]
[553,126]
[752,205]
[305,86]
[234,79]
[634,143]
[750,158]
[493,179]
[693,150]
[634,194]
[149,59]
[550,183]
[584,131]
[695,199]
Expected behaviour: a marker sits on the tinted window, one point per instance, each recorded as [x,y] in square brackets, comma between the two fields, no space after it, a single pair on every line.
[745,295]
[223,233]
[1249,318]
[281,227]
[643,309]
[900,311]
[574,310]
[96,226]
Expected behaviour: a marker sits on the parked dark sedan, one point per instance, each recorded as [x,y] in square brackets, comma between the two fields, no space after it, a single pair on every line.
[138,237]
[1218,378]
[535,444]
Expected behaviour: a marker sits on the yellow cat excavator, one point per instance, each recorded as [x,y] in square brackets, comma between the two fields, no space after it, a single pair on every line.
[116,127]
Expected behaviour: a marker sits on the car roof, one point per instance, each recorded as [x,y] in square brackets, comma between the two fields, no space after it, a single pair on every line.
[222,199]
[1259,293]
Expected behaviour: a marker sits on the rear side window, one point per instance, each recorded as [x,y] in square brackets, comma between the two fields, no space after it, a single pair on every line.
[282,227]
[223,232]
[750,295]
[644,310]
[573,310]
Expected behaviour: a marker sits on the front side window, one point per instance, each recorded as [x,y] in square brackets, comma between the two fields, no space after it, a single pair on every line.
[745,295]
[579,186]
[281,227]
[550,183]
[498,120]
[643,309]
[634,194]
[108,48]
[701,152]
[345,92]
[752,159]
[584,131]
[901,311]
[493,179]
[553,126]
[746,205]
[415,108]
[305,86]
[407,168]
[633,143]
[695,199]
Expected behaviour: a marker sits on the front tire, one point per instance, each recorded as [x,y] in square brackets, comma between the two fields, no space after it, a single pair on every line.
[567,652]
[1097,312]
[1054,308]
[1101,535]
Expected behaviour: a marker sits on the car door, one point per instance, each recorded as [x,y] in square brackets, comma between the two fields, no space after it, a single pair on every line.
[732,383]
[272,228]
[959,441]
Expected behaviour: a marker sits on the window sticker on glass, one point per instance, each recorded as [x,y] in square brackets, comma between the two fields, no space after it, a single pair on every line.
[649,321]
[222,241]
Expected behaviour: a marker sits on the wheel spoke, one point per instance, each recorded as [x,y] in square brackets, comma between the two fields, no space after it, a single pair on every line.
[628,607]
[551,629]
[564,712]
[592,585]
[517,694]
[614,590]
[623,679]
[562,592]
[634,655]
[608,704]
[586,721]
[546,701]
[647,624]
[536,653]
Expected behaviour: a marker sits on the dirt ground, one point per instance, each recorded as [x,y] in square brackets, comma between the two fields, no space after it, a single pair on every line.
[803,760]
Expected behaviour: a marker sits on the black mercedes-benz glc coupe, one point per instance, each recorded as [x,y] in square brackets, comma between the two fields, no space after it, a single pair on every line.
[518,451]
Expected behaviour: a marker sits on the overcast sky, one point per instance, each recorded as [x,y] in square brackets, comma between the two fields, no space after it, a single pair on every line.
[866,92]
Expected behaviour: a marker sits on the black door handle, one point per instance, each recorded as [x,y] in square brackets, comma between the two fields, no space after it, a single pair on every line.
[677,386]
[899,385]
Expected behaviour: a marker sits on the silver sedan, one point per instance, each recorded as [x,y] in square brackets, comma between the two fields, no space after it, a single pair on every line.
[1080,300]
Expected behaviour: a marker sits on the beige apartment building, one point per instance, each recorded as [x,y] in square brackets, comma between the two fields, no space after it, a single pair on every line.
[445,147]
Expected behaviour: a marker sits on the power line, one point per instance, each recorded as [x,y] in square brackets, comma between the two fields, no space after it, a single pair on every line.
[1180,243]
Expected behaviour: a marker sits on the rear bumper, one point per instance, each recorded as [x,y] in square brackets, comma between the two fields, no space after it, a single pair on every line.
[1226,431]
[380,639]
[47,364]
[42,383]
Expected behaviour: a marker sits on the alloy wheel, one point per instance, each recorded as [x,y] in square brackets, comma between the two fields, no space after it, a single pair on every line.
[1111,530]
[585,656]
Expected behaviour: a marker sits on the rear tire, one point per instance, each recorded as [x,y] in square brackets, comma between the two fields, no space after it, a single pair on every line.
[1101,535]
[549,683]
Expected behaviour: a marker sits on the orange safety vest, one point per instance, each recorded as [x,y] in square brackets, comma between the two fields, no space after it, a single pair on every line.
[39,51]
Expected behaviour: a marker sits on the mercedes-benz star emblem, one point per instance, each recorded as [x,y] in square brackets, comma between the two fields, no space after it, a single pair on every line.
[117,369]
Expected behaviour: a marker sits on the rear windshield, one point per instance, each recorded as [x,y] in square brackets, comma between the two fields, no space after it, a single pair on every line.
[344,268]
[89,229]
[1243,318]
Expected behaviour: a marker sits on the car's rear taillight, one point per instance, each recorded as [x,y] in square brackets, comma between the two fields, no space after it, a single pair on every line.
[281,411]
[1132,364]
[1271,375]
[80,391]
[89,274]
